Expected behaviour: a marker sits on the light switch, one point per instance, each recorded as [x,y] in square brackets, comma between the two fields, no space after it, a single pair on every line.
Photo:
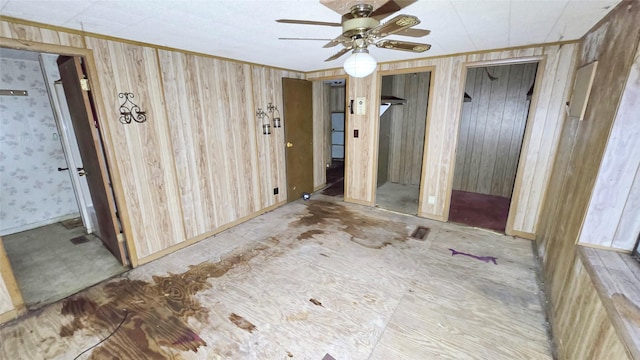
[361,105]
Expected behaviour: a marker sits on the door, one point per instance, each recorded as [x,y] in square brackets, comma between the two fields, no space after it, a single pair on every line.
[298,134]
[74,161]
[84,126]
[337,135]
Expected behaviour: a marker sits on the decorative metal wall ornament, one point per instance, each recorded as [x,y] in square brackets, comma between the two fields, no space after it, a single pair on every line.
[130,111]
[264,120]
[275,115]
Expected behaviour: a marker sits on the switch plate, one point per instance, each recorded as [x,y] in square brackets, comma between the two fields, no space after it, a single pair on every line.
[431,200]
[361,106]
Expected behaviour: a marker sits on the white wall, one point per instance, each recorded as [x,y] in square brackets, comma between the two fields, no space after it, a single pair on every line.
[32,191]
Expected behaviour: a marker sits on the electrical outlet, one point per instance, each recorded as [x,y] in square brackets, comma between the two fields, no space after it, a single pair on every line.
[356,133]
[275,191]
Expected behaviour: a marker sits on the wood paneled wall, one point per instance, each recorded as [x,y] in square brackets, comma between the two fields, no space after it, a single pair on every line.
[361,152]
[321,132]
[492,128]
[613,43]
[144,151]
[584,331]
[200,163]
[337,98]
[538,149]
[614,221]
[408,123]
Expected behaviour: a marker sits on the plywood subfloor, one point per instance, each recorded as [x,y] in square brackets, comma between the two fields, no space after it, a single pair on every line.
[308,279]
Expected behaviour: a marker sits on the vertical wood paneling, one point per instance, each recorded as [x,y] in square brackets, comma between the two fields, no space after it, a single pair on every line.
[212,131]
[326,99]
[494,148]
[31,33]
[583,329]
[614,220]
[337,98]
[408,124]
[360,152]
[267,87]
[540,143]
[613,43]
[143,151]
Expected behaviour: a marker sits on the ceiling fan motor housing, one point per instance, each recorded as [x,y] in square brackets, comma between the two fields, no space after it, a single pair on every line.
[358,26]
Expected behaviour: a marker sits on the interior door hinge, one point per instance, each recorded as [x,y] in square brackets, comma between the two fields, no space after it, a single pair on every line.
[84,84]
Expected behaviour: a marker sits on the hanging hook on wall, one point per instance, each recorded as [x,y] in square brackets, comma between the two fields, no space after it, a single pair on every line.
[263,118]
[275,115]
[130,111]
[491,77]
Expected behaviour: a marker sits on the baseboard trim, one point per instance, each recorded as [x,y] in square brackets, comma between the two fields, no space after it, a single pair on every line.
[38,224]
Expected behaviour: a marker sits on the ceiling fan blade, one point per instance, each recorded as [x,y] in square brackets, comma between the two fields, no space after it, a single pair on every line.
[403,45]
[414,32]
[339,40]
[339,53]
[307,22]
[286,38]
[398,23]
[390,7]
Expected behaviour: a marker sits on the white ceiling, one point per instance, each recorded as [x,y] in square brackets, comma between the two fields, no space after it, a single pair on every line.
[246,29]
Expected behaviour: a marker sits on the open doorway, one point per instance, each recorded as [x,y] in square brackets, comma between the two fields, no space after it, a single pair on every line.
[492,126]
[48,215]
[403,117]
[335,93]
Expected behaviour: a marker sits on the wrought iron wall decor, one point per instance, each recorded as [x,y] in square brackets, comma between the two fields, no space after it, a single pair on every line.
[130,111]
[275,115]
[263,118]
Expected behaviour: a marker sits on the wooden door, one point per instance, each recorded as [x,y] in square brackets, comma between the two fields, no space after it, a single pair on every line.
[85,128]
[298,130]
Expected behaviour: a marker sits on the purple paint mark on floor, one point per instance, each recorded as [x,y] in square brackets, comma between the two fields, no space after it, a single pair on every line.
[483,258]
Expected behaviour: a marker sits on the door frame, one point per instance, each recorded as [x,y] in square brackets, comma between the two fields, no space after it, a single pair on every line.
[431,69]
[6,275]
[541,61]
[326,125]
[100,108]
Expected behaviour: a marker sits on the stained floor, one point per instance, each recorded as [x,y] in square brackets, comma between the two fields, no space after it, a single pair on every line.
[310,280]
[479,210]
[48,266]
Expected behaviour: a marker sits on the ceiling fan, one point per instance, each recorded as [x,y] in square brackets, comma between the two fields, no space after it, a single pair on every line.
[361,27]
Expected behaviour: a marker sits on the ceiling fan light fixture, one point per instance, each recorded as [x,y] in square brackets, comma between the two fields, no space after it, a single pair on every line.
[360,63]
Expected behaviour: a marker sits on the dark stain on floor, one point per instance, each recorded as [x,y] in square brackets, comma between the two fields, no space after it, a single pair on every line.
[241,322]
[365,230]
[309,234]
[157,312]
[316,302]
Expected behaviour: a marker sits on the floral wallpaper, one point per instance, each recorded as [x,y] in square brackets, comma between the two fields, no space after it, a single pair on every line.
[32,190]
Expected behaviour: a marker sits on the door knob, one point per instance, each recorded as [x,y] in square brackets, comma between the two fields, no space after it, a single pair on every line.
[289,144]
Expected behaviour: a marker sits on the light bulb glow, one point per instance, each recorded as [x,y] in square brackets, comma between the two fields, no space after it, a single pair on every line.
[360,64]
